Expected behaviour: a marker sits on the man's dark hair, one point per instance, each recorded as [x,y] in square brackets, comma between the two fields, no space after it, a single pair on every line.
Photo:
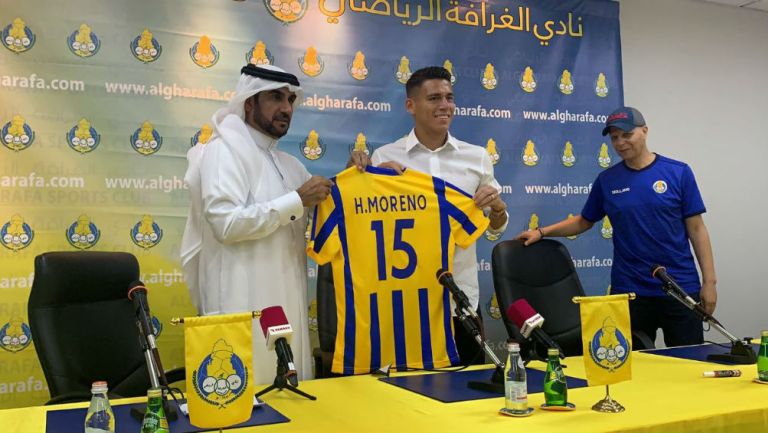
[424,74]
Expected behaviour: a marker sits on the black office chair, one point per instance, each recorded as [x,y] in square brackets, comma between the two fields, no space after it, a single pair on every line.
[83,325]
[326,322]
[543,274]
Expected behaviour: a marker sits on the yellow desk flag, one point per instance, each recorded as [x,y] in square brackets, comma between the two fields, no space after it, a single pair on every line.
[606,334]
[218,358]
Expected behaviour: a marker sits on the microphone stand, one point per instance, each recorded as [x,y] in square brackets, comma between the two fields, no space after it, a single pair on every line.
[740,353]
[463,312]
[281,382]
[157,377]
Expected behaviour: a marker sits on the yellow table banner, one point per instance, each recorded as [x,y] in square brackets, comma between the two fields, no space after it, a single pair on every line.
[218,357]
[607,337]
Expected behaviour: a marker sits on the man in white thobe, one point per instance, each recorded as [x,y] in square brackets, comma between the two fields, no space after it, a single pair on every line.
[243,246]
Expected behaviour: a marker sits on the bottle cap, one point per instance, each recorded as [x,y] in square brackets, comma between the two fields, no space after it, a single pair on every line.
[552,351]
[99,386]
[154,392]
[512,346]
[764,333]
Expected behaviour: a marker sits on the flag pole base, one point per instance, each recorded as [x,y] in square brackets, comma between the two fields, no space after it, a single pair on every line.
[608,404]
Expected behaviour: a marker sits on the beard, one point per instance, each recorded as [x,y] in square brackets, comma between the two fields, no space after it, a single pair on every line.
[268,126]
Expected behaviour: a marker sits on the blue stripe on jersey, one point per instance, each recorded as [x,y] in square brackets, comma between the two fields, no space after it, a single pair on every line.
[375,333]
[445,226]
[398,325]
[349,292]
[325,231]
[426,335]
[381,170]
[450,344]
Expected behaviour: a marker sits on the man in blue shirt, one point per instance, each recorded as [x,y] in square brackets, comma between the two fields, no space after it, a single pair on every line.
[655,208]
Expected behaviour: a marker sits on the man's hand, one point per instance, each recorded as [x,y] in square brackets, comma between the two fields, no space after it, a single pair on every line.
[529,236]
[488,196]
[315,190]
[708,297]
[359,159]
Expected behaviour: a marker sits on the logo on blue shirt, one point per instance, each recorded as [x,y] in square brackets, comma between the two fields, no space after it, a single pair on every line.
[660,186]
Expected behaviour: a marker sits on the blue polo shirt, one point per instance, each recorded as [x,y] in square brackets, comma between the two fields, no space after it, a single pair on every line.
[647,209]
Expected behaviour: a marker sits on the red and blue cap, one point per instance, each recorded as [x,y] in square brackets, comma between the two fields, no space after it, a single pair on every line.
[625,118]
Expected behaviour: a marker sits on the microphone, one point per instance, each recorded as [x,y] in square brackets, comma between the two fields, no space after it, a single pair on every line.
[137,293]
[446,279]
[529,322]
[278,333]
[660,272]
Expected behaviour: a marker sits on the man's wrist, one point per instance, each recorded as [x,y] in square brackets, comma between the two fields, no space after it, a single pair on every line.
[541,232]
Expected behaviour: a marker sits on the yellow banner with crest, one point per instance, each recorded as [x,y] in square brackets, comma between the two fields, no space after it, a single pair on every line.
[218,359]
[606,334]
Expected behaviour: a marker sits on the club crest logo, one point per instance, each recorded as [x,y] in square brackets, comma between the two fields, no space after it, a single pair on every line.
[528,80]
[312,147]
[202,136]
[146,140]
[530,157]
[660,187]
[145,47]
[15,335]
[609,348]
[312,314]
[493,309]
[357,69]
[17,37]
[603,158]
[203,53]
[449,67]
[490,79]
[83,138]
[287,11]
[361,144]
[221,378]
[157,326]
[493,152]
[568,158]
[16,234]
[311,63]
[146,233]
[533,223]
[259,55]
[83,233]
[606,231]
[601,87]
[403,72]
[565,85]
[17,134]
[83,42]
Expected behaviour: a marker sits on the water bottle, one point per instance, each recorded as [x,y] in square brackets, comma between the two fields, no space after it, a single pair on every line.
[154,417]
[515,385]
[99,418]
[762,358]
[555,387]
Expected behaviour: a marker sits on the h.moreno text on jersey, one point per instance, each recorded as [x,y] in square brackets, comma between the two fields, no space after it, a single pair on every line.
[390,203]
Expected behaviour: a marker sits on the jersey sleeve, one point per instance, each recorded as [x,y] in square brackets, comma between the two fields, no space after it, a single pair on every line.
[692,202]
[324,243]
[467,221]
[594,210]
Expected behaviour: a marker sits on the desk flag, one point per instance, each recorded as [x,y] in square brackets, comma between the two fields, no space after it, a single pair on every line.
[607,337]
[218,358]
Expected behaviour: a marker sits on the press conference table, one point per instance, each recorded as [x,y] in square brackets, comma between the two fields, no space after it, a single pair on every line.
[666,395]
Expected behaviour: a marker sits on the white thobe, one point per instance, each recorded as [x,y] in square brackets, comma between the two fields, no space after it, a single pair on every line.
[252,249]
[462,164]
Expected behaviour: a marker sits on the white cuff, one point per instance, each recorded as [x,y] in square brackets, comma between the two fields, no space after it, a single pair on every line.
[289,207]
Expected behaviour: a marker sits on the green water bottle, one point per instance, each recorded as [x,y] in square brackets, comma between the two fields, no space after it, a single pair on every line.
[555,388]
[154,418]
[762,358]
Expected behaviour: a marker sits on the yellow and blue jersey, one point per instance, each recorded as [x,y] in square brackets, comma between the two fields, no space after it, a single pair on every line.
[386,235]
